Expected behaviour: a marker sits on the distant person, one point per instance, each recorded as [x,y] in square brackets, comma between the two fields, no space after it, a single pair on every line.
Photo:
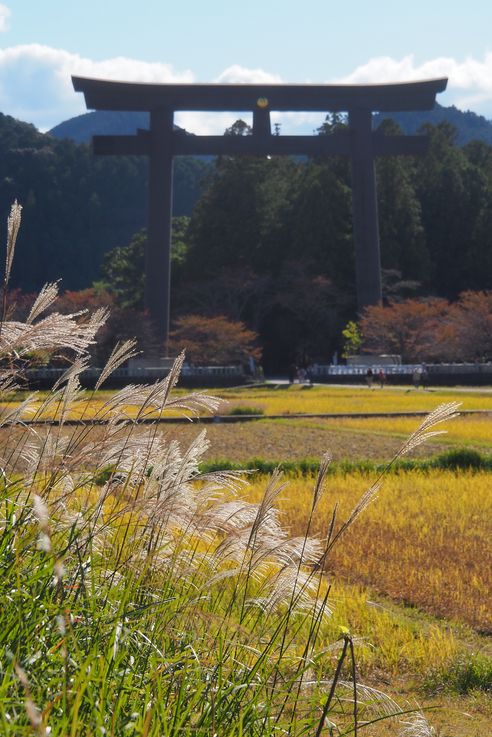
[301,375]
[309,373]
[417,377]
[425,376]
[381,378]
[369,377]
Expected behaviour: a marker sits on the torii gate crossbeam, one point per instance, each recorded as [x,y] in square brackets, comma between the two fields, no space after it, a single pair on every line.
[161,143]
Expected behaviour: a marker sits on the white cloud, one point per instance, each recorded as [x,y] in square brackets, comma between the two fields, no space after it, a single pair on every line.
[4,18]
[470,81]
[36,86]
[236,74]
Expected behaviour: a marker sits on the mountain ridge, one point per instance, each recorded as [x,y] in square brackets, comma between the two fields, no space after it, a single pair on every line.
[469,125]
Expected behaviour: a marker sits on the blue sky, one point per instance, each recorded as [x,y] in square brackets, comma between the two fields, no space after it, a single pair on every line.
[42,42]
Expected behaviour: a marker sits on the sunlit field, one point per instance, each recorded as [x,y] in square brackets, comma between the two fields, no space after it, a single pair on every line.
[464,431]
[339,400]
[425,541]
[295,399]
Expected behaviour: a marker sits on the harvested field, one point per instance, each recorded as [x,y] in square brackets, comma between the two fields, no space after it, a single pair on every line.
[296,439]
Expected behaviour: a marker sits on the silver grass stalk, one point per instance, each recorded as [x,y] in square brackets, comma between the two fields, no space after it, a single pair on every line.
[13,226]
[442,413]
[19,412]
[43,301]
[418,726]
[369,696]
[320,480]
[52,333]
[121,352]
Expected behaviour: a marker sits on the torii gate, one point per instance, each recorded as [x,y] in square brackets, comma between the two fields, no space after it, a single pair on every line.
[161,143]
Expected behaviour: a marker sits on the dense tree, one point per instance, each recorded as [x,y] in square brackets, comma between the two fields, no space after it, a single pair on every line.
[319,224]
[237,220]
[352,339]
[452,193]
[470,327]
[239,293]
[123,268]
[403,243]
[270,240]
[122,323]
[76,206]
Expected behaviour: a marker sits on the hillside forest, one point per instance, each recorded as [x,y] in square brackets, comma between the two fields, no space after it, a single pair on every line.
[266,242]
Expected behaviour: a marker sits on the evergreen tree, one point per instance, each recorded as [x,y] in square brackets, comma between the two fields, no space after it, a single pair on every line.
[402,237]
[452,193]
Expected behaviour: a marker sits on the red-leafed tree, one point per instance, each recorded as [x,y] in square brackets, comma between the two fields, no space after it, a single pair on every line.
[122,323]
[471,321]
[213,340]
[408,329]
[427,330]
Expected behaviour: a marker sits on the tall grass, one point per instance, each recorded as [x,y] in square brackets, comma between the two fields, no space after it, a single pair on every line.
[141,596]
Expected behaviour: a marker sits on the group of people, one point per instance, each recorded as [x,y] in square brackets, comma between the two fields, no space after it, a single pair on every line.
[300,374]
[419,377]
[380,377]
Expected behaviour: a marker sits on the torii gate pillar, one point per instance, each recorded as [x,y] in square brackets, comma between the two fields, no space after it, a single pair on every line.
[157,287]
[365,210]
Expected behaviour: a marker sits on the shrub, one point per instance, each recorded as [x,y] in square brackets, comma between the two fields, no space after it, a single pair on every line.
[466,673]
[247,411]
[461,459]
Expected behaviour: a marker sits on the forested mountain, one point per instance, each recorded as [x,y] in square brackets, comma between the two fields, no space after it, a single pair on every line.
[77,206]
[469,126]
[103,122]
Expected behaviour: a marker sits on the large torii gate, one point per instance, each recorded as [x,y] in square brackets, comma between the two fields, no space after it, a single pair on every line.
[161,143]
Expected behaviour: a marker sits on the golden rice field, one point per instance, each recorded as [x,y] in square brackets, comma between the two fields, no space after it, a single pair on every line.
[426,540]
[298,399]
[340,400]
[464,431]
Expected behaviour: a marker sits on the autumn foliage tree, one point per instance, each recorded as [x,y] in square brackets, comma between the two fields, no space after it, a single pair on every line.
[405,328]
[470,326]
[213,341]
[122,323]
[432,329]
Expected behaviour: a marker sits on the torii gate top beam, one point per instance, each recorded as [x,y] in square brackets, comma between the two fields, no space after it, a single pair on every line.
[108,95]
